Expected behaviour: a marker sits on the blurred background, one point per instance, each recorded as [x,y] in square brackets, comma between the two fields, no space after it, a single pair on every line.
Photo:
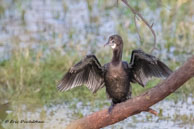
[41,39]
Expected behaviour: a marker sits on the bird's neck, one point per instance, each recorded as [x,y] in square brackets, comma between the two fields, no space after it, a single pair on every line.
[117,57]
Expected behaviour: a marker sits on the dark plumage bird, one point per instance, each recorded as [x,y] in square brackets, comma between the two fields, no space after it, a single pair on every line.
[117,75]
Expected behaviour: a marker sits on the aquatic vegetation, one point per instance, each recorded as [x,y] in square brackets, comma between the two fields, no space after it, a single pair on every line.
[29,75]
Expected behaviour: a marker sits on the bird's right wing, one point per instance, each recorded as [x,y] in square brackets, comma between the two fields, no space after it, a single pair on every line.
[87,72]
[145,66]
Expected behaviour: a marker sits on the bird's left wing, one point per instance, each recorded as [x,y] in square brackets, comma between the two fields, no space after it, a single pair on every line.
[144,66]
[87,72]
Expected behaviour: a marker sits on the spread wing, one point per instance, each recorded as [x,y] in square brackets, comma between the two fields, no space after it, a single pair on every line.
[87,72]
[145,66]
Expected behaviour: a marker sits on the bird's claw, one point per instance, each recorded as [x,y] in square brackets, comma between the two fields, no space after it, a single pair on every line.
[110,108]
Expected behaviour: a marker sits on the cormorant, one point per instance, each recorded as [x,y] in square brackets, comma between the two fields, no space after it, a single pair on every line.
[115,76]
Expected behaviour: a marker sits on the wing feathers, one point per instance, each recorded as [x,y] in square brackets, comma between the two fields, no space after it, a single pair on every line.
[145,66]
[86,72]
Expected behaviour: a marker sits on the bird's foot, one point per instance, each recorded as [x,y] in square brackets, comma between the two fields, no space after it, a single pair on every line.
[111,108]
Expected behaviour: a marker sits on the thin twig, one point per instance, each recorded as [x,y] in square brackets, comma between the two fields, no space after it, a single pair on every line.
[152,111]
[148,25]
[137,29]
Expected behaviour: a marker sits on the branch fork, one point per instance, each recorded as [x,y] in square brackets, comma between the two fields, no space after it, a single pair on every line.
[136,13]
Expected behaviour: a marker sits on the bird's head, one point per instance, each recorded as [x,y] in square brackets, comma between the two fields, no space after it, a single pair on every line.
[115,41]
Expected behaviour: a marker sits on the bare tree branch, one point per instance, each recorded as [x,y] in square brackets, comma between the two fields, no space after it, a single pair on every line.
[144,20]
[137,29]
[138,104]
[152,111]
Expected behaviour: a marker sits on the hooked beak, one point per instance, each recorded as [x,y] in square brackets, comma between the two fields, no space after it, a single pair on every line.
[106,44]
[113,45]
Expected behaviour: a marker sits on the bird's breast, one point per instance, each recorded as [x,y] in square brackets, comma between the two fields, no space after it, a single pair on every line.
[117,83]
[116,72]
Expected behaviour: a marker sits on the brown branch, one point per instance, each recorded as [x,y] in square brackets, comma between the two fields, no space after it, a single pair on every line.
[137,29]
[152,111]
[138,104]
[144,20]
